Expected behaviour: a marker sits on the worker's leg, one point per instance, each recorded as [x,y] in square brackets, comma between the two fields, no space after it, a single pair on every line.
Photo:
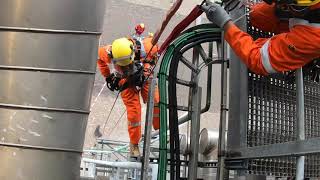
[263,16]
[131,100]
[156,110]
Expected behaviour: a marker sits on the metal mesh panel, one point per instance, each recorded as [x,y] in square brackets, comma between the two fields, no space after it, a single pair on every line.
[281,167]
[272,116]
[312,108]
[312,123]
[271,120]
[271,110]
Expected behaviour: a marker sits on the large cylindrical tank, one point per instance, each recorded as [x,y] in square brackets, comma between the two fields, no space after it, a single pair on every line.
[48,51]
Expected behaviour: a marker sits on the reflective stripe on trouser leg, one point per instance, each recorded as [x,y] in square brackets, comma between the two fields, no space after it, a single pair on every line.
[134,129]
[264,51]
[134,124]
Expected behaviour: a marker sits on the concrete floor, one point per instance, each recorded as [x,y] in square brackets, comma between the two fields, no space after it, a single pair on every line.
[119,24]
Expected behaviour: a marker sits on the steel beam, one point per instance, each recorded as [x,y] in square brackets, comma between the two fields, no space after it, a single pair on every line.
[294,148]
[222,172]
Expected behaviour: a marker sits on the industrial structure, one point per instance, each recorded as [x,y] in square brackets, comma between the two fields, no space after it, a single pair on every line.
[269,126]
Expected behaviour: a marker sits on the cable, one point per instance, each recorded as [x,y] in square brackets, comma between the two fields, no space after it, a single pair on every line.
[114,127]
[188,39]
[95,100]
[114,103]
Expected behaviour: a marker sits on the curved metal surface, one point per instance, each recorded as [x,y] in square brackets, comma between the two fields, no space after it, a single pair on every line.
[26,164]
[54,90]
[48,52]
[184,144]
[80,15]
[56,51]
[41,128]
[208,141]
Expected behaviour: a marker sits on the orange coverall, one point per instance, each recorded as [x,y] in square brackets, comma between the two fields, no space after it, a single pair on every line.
[131,95]
[296,44]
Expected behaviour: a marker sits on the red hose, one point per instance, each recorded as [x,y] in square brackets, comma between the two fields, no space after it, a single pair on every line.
[196,12]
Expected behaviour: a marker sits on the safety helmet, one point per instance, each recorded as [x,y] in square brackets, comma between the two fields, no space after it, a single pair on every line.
[139,28]
[294,2]
[307,2]
[122,52]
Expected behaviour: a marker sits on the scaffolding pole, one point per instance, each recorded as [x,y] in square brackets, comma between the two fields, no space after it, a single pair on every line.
[222,172]
[147,131]
[300,121]
[195,121]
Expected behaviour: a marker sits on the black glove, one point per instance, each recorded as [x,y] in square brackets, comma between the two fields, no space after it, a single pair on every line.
[136,79]
[113,82]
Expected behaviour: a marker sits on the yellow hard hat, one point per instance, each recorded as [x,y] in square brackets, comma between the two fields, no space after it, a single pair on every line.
[307,2]
[122,51]
[294,2]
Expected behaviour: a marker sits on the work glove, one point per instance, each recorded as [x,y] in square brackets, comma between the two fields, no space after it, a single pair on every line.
[113,82]
[215,13]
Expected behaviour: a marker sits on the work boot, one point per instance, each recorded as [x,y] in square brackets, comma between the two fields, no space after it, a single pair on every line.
[134,151]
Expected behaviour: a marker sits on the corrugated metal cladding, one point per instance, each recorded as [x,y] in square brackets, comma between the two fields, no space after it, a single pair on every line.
[48,52]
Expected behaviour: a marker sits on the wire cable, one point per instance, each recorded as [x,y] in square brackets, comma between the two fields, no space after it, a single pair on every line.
[114,127]
[114,103]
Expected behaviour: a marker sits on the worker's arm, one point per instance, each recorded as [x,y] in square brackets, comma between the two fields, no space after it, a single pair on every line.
[103,62]
[245,47]
[283,52]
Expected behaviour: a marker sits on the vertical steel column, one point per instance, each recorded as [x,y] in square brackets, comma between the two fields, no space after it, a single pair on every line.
[238,94]
[195,120]
[194,133]
[300,121]
[147,131]
[221,173]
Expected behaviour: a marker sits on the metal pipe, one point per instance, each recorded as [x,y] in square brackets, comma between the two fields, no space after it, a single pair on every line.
[194,133]
[209,81]
[48,55]
[300,121]
[195,109]
[127,165]
[147,131]
[222,172]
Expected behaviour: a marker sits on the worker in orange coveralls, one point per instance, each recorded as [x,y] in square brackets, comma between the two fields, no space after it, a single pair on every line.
[297,42]
[131,67]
